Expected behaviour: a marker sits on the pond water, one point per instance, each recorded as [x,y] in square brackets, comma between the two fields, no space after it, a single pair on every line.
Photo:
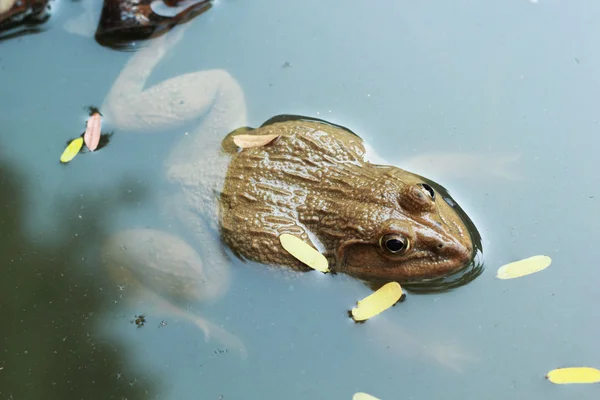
[495,100]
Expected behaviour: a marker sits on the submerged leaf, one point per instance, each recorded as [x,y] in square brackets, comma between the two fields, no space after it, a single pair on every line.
[363,396]
[385,297]
[524,267]
[92,131]
[574,375]
[72,150]
[303,252]
[248,141]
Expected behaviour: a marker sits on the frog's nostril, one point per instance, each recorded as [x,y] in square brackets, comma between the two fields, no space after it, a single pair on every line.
[442,249]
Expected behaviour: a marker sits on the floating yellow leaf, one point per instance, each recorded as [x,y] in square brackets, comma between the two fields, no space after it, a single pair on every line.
[72,149]
[304,252]
[574,375]
[363,396]
[524,267]
[385,297]
[248,141]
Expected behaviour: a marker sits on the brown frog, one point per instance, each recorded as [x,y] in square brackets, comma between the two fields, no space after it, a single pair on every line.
[376,222]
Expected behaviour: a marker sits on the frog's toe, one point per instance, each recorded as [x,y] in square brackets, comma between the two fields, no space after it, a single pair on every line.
[211,330]
[229,340]
[168,271]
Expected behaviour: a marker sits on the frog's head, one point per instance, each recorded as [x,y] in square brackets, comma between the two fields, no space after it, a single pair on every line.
[408,231]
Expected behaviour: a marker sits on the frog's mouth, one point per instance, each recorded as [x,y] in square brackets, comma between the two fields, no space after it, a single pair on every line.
[368,262]
[419,268]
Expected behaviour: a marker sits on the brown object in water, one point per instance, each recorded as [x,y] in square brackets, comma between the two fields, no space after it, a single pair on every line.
[378,223]
[24,15]
[125,21]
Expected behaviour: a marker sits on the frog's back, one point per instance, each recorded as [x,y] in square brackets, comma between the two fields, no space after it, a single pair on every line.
[285,186]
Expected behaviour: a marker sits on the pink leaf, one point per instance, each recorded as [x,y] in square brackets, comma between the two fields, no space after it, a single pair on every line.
[92,131]
[249,141]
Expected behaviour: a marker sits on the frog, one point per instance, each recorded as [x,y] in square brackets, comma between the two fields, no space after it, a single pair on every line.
[372,221]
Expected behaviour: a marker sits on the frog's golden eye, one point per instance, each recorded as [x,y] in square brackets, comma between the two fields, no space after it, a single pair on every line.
[394,244]
[429,190]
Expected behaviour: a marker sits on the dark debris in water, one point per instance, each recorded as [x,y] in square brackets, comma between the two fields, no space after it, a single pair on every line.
[140,320]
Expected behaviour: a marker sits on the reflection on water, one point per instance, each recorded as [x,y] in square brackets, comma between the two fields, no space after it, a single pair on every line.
[463,166]
[52,292]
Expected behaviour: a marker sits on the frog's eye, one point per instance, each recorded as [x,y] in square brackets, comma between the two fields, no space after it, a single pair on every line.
[394,243]
[429,190]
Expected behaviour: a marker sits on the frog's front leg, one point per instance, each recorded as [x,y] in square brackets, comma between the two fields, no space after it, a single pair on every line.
[165,271]
[212,94]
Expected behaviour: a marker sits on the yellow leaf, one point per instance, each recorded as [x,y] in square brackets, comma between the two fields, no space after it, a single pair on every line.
[304,252]
[385,297]
[71,150]
[363,396]
[524,267]
[248,141]
[574,375]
